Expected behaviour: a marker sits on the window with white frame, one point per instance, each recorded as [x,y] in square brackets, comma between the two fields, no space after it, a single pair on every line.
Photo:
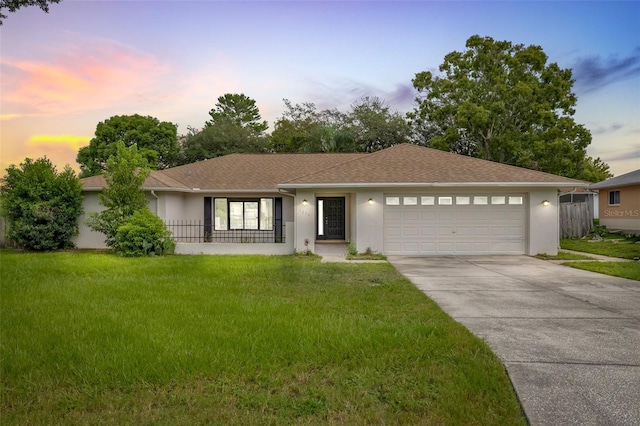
[428,201]
[410,201]
[392,201]
[515,200]
[614,198]
[480,200]
[243,214]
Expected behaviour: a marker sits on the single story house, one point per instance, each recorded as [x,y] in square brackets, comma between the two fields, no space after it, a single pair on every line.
[620,202]
[403,200]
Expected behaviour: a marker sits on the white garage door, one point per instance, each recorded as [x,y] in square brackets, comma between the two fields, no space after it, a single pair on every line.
[467,224]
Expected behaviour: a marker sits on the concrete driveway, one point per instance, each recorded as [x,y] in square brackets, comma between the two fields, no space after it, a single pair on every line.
[570,339]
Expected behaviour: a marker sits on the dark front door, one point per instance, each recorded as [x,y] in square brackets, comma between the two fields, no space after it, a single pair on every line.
[331,214]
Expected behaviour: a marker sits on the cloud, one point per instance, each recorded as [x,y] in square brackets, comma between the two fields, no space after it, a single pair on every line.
[611,129]
[97,74]
[593,73]
[630,153]
[342,95]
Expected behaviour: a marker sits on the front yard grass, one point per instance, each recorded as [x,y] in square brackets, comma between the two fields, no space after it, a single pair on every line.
[625,249]
[563,255]
[99,339]
[629,270]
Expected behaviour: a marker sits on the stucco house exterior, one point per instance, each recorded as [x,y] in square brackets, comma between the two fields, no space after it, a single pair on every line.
[620,202]
[403,200]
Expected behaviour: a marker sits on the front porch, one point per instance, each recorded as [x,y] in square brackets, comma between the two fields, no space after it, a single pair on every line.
[194,237]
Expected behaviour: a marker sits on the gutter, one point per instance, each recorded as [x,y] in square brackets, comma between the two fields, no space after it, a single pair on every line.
[285,192]
[423,185]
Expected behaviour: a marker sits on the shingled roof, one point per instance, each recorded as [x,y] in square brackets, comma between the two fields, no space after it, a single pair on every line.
[400,164]
[631,178]
[412,164]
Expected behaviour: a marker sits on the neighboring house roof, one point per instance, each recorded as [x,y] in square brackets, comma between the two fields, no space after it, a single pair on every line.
[412,164]
[401,164]
[631,178]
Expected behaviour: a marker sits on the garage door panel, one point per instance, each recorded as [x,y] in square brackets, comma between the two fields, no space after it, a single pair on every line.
[428,231]
[455,229]
[410,215]
[409,231]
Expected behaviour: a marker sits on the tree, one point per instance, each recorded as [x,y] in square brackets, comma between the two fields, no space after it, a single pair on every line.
[595,170]
[220,139]
[302,128]
[375,127]
[368,127]
[503,102]
[41,205]
[234,127]
[157,141]
[238,110]
[13,5]
[125,174]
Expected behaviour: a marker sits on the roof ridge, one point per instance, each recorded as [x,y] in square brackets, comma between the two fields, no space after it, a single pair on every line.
[363,155]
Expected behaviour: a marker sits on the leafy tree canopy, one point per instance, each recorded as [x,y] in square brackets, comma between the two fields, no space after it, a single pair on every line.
[13,5]
[156,141]
[41,205]
[238,110]
[375,126]
[369,126]
[302,128]
[125,174]
[219,139]
[503,102]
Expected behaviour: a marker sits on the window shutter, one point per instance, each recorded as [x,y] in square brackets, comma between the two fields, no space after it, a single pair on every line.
[207,219]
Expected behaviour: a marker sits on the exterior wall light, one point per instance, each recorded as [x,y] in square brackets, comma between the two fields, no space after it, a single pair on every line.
[370,201]
[305,202]
[545,203]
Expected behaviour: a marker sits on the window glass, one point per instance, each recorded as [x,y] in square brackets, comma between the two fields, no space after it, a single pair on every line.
[481,200]
[393,201]
[410,201]
[266,214]
[445,201]
[250,215]
[515,200]
[236,215]
[427,201]
[321,217]
[498,199]
[221,214]
[614,197]
[463,200]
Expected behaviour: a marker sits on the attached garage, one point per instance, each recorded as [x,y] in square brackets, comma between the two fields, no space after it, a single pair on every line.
[455,224]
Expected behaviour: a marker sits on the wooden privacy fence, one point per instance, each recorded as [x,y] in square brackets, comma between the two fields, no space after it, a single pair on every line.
[576,220]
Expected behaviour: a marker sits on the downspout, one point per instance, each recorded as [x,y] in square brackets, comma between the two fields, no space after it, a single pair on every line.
[156,197]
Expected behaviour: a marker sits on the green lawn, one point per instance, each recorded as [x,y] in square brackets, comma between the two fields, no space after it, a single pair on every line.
[563,255]
[99,339]
[629,270]
[623,249]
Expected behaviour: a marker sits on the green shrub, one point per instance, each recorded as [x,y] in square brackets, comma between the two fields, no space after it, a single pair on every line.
[41,205]
[144,234]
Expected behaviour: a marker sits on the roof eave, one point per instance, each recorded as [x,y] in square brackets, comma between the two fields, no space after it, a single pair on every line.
[194,190]
[422,185]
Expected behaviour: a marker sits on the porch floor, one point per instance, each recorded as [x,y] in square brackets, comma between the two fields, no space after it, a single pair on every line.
[332,251]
